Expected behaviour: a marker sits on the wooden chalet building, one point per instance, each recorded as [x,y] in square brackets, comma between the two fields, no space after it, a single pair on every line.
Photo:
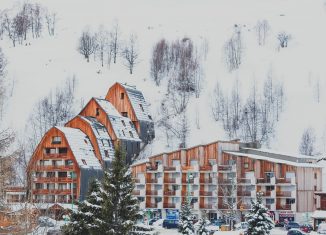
[131,103]
[62,165]
[208,173]
[121,129]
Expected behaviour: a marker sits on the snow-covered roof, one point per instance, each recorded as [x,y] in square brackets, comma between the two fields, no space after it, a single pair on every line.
[319,214]
[108,107]
[81,147]
[122,126]
[104,141]
[294,155]
[138,103]
[270,159]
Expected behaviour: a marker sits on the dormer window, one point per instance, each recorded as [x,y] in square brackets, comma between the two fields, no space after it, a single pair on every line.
[141,107]
[150,117]
[97,112]
[123,133]
[125,114]
[56,140]
[122,95]
[131,135]
[123,123]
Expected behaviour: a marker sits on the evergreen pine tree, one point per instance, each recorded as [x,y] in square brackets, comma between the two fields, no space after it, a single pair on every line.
[260,223]
[82,221]
[120,207]
[186,219]
[202,224]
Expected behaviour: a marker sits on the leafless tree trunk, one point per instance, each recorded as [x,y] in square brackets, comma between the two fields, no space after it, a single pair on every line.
[262,30]
[283,38]
[158,61]
[130,53]
[218,103]
[233,51]
[307,145]
[103,41]
[51,22]
[115,41]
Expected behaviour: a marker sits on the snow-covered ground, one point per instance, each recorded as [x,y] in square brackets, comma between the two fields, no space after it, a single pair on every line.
[35,69]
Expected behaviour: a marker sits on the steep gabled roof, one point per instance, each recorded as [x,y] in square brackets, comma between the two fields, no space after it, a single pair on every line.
[81,147]
[104,141]
[138,103]
[122,126]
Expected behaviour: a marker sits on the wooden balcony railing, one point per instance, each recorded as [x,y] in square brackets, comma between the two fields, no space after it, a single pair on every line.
[152,180]
[263,181]
[151,205]
[243,193]
[225,181]
[169,168]
[225,168]
[151,168]
[244,181]
[54,168]
[55,155]
[283,207]
[206,206]
[283,194]
[54,191]
[169,193]
[151,192]
[206,168]
[266,193]
[54,179]
[206,180]
[187,168]
[168,205]
[186,193]
[283,181]
[205,193]
[169,181]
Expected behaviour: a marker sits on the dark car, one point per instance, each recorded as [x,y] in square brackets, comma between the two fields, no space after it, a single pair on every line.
[291,225]
[280,224]
[218,222]
[170,223]
[295,231]
[307,228]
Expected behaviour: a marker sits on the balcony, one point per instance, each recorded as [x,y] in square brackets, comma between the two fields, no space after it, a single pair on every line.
[266,181]
[283,207]
[206,180]
[151,192]
[285,194]
[55,191]
[226,168]
[206,168]
[205,193]
[169,181]
[151,205]
[54,168]
[55,155]
[206,206]
[172,168]
[170,193]
[222,207]
[225,181]
[243,193]
[152,181]
[246,181]
[290,181]
[190,168]
[54,180]
[169,205]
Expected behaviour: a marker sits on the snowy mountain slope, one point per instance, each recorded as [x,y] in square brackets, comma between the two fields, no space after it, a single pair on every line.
[35,69]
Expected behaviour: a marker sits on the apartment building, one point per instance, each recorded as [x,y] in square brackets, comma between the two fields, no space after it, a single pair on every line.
[221,174]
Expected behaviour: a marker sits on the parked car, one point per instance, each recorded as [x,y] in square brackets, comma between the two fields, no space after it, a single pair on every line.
[170,223]
[218,222]
[295,231]
[307,228]
[321,228]
[291,225]
[280,224]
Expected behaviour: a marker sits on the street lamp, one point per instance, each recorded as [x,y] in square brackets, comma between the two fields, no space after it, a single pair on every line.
[189,178]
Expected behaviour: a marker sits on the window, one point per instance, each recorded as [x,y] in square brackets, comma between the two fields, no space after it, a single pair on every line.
[246,165]
[269,188]
[106,153]
[150,117]
[123,133]
[62,174]
[290,201]
[141,107]
[315,175]
[50,150]
[50,174]
[315,188]
[38,186]
[131,135]
[63,150]
[122,95]
[84,162]
[123,123]
[125,114]
[97,112]
[68,163]
[56,140]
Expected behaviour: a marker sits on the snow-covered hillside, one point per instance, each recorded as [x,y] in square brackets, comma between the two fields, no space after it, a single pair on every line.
[33,70]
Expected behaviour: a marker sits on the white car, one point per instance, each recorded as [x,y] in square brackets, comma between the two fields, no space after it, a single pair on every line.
[321,228]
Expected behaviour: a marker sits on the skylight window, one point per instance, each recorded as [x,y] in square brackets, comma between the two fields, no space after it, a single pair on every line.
[84,162]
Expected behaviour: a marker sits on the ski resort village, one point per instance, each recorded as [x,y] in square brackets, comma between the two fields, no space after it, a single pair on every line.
[162,117]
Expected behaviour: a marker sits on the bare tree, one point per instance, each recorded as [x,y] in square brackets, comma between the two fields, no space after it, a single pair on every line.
[103,41]
[283,38]
[87,44]
[51,21]
[233,50]
[52,110]
[158,61]
[218,103]
[307,145]
[130,53]
[115,41]
[10,28]
[36,18]
[262,31]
